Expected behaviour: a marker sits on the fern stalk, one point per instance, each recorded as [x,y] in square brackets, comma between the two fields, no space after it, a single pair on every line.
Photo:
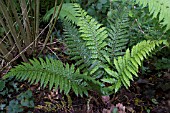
[37,11]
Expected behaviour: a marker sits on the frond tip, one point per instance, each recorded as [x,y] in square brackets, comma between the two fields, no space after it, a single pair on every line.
[128,65]
[51,72]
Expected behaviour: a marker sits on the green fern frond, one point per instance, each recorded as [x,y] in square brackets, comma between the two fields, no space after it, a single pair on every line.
[68,12]
[118,32]
[158,7]
[76,47]
[94,36]
[128,65]
[92,33]
[53,72]
[92,41]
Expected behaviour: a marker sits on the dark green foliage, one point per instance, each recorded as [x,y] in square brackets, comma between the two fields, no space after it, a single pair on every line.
[2,85]
[12,100]
[158,8]
[163,63]
[23,100]
[8,86]
[97,8]
[69,1]
[26,99]
[14,107]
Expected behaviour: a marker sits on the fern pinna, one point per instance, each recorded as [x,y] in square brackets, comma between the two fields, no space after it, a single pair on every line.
[54,73]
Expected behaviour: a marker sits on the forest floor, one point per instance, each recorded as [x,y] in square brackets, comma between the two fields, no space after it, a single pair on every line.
[148,94]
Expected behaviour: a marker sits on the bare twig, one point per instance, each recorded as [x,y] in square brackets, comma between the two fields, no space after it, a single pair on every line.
[53,25]
[16,57]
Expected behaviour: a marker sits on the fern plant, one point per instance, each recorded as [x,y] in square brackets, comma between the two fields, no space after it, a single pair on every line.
[98,52]
[108,55]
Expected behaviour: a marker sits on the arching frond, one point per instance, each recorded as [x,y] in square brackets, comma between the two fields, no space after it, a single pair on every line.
[53,72]
[128,65]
